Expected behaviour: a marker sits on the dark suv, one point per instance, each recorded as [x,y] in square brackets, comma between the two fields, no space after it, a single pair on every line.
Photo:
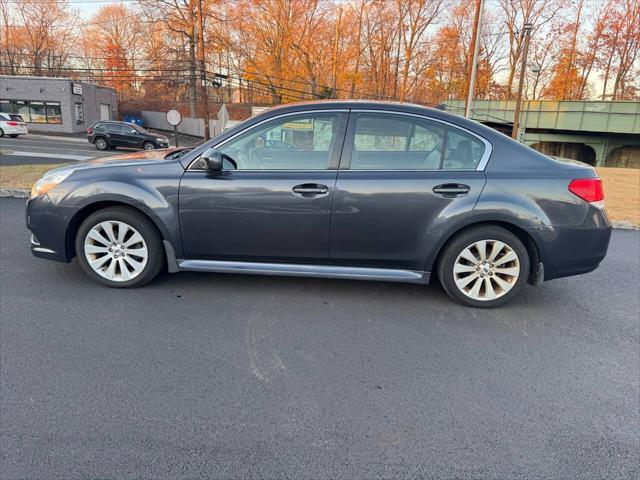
[344,189]
[105,135]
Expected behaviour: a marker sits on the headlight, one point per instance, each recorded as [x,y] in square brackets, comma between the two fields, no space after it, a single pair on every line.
[47,182]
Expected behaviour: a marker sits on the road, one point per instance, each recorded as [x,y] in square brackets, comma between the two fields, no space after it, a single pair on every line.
[40,149]
[225,376]
[34,149]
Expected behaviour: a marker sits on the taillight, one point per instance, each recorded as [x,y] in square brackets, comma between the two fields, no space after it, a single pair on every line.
[588,189]
[12,124]
[89,131]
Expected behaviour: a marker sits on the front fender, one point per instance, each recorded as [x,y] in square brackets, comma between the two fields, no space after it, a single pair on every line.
[152,189]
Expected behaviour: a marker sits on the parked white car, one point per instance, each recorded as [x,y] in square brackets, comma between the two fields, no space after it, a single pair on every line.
[12,125]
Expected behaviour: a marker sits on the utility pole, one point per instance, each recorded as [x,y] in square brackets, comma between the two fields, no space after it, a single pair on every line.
[475,49]
[203,75]
[335,53]
[523,69]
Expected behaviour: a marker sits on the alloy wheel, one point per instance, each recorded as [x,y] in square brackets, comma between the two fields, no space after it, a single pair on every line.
[486,270]
[116,251]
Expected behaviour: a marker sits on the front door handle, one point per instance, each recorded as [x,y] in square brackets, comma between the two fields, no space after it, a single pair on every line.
[451,189]
[310,189]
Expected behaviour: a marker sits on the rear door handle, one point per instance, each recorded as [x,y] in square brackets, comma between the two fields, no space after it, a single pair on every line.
[310,189]
[451,189]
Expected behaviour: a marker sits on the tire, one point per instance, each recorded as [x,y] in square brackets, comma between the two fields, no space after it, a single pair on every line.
[490,280]
[101,143]
[148,146]
[142,257]
[1,133]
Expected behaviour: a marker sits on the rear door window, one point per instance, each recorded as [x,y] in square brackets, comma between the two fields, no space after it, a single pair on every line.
[386,141]
[463,151]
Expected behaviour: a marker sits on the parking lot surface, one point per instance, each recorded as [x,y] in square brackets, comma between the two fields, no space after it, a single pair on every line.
[41,149]
[34,149]
[224,376]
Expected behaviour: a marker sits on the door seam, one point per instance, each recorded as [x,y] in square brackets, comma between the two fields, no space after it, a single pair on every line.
[335,182]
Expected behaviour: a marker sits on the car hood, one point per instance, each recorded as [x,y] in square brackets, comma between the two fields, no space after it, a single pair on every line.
[150,156]
[133,156]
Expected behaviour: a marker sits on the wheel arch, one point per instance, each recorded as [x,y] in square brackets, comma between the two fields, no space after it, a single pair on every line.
[86,210]
[525,237]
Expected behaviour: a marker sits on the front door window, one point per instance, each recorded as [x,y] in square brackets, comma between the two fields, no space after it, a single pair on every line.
[298,142]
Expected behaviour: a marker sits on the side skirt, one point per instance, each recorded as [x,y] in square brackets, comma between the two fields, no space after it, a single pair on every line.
[294,270]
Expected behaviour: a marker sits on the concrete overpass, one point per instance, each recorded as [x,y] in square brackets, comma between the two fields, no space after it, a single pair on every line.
[595,132]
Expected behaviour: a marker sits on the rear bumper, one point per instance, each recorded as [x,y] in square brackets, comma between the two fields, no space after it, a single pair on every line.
[10,130]
[571,251]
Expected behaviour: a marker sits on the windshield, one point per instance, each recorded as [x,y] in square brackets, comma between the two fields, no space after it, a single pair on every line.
[177,154]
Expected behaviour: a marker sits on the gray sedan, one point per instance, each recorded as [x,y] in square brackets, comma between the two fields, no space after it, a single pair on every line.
[341,189]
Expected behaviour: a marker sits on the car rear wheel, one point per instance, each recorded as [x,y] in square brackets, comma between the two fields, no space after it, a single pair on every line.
[119,247]
[1,133]
[149,146]
[101,143]
[484,266]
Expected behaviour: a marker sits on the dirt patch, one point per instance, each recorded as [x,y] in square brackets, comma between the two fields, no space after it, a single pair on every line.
[622,193]
[22,176]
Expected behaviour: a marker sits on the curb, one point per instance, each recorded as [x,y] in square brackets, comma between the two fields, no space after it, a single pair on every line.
[35,136]
[624,225]
[13,193]
[20,193]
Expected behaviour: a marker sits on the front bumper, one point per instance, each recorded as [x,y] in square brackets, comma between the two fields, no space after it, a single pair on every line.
[48,226]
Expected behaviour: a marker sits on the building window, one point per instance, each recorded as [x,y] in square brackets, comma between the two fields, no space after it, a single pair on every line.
[22,108]
[33,111]
[37,112]
[54,115]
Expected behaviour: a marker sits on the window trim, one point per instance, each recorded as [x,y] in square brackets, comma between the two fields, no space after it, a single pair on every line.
[336,148]
[345,160]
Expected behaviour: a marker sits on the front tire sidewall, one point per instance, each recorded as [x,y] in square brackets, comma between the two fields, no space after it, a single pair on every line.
[143,225]
[148,146]
[460,242]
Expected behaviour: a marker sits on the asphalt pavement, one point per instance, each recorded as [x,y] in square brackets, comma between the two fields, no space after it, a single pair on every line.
[41,149]
[230,376]
[36,149]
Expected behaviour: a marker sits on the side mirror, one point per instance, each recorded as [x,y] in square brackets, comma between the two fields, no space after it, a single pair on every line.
[213,159]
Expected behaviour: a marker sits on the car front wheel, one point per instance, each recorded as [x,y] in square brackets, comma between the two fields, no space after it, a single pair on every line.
[119,247]
[149,146]
[484,266]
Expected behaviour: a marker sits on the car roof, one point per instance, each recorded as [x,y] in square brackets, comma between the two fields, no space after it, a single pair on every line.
[379,105]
